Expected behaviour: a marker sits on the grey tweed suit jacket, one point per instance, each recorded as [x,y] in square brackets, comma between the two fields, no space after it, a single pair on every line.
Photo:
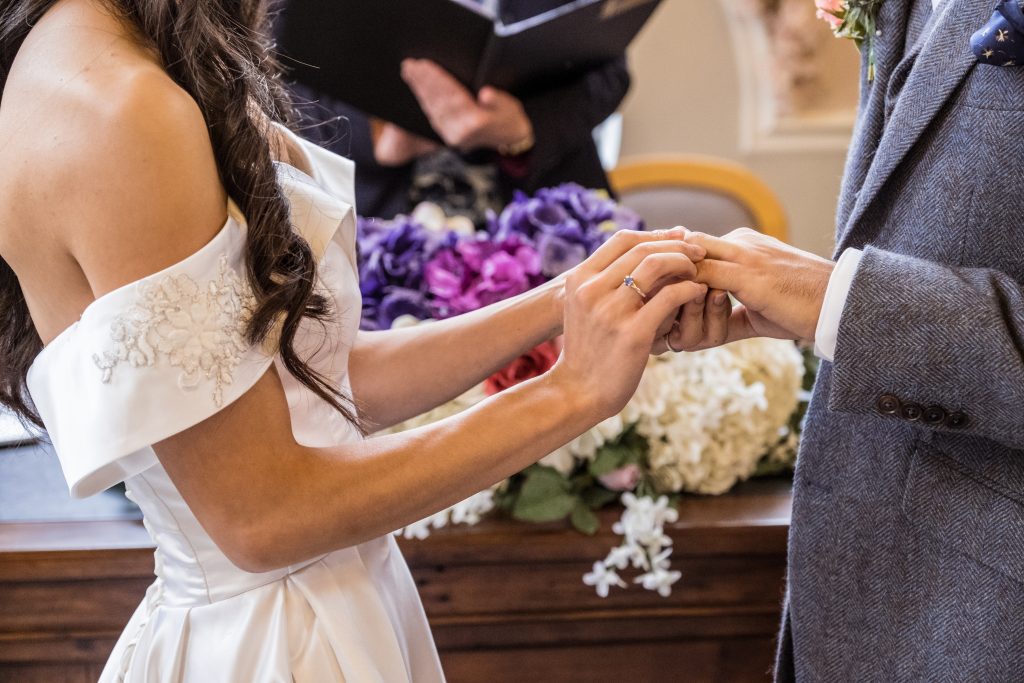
[906,557]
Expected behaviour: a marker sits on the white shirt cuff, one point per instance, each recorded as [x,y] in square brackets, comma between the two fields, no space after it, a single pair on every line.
[826,336]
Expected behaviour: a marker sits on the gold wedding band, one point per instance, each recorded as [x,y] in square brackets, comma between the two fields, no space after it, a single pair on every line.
[628,281]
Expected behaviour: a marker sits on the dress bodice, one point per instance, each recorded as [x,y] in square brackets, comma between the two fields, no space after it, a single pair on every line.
[157,356]
[161,354]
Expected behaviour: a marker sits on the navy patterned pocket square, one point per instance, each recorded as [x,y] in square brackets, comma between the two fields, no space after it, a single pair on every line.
[1001,41]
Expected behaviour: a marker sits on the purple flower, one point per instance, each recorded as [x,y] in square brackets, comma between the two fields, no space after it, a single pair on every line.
[505,275]
[590,207]
[407,269]
[479,272]
[558,255]
[392,256]
[579,217]
[399,302]
[446,275]
[625,219]
[548,216]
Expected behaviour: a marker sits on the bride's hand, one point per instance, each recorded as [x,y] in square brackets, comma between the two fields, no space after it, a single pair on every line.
[610,328]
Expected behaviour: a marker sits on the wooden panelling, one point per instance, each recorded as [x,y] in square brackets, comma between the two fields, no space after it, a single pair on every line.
[505,600]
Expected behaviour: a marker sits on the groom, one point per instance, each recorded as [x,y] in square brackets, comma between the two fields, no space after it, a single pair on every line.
[906,554]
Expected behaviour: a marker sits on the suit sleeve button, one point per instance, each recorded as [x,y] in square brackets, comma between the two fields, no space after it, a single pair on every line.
[888,405]
[957,420]
[911,412]
[934,415]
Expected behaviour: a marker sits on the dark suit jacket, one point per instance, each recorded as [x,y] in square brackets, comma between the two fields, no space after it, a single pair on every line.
[563,119]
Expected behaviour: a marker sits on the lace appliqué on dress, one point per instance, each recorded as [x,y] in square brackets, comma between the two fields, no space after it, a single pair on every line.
[198,328]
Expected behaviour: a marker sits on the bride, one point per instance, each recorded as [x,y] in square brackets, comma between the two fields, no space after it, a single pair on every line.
[179,306]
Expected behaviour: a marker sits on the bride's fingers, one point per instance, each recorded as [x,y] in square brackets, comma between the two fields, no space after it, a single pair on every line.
[624,240]
[664,304]
[651,263]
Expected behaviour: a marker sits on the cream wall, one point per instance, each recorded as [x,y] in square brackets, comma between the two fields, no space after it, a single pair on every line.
[686,98]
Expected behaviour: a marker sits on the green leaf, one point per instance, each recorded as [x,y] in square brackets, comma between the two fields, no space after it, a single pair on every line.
[584,520]
[608,459]
[544,509]
[598,496]
[544,497]
[629,449]
[581,482]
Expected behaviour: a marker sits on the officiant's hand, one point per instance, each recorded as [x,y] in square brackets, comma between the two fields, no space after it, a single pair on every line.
[780,289]
[395,146]
[494,119]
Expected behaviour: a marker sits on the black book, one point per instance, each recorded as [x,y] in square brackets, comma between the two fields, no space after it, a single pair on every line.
[353,49]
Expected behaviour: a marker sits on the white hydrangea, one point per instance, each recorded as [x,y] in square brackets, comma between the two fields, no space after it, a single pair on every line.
[710,416]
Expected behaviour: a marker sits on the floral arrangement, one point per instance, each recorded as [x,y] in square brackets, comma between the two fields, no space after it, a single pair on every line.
[698,423]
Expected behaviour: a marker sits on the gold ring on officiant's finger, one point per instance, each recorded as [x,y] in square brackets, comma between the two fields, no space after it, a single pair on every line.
[628,281]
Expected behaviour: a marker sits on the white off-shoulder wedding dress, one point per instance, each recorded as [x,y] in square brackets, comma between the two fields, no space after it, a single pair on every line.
[159,355]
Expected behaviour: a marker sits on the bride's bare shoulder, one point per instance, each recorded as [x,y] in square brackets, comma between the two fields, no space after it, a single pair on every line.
[106,156]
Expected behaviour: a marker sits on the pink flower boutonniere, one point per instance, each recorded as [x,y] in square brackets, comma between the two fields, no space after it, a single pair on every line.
[854,19]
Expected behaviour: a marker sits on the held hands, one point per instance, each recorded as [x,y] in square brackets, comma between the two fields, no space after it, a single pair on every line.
[610,328]
[781,290]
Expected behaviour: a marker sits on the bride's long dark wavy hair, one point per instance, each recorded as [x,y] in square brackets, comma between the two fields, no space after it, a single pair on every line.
[219,51]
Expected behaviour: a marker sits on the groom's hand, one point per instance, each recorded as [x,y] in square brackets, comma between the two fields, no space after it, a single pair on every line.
[780,289]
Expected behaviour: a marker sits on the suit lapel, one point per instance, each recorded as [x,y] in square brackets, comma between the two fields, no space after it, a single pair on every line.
[892,21]
[945,59]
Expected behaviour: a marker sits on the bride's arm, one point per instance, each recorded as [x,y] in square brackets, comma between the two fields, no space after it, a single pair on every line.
[270,502]
[401,373]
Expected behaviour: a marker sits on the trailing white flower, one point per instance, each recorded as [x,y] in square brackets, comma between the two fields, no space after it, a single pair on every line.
[645,546]
[708,419]
[602,578]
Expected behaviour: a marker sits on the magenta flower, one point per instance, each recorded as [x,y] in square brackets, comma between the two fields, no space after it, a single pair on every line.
[480,272]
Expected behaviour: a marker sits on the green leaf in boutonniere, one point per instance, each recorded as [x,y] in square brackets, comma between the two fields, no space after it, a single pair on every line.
[854,19]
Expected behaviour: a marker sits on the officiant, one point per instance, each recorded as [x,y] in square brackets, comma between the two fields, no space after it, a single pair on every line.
[494,142]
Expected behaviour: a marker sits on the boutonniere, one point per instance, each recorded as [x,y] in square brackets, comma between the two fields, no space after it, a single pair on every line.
[1001,41]
[854,19]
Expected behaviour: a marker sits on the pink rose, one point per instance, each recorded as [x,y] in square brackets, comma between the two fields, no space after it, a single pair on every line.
[831,11]
[623,479]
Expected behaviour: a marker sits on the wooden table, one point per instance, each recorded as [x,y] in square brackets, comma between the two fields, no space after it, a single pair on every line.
[505,599]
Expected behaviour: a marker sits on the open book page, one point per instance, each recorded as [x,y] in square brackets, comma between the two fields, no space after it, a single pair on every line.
[488,8]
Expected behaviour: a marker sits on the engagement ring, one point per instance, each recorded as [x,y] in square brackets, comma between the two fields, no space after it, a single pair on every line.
[628,281]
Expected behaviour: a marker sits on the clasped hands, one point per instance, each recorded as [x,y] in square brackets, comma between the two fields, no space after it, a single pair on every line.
[644,292]
[492,119]
[780,290]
